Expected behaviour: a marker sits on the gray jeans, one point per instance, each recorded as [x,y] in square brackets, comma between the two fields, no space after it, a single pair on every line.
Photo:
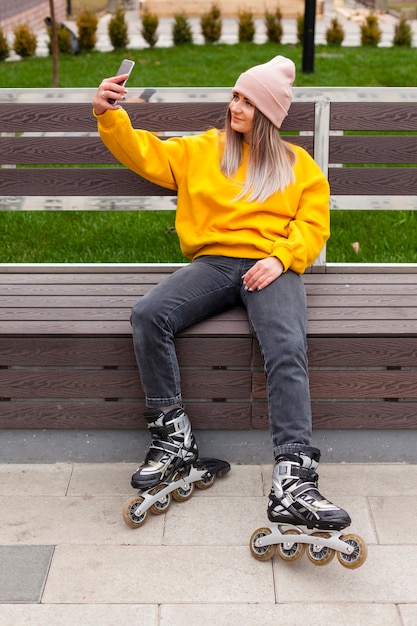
[278,318]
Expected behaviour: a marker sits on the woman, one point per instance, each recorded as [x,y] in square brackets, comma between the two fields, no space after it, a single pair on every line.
[253,213]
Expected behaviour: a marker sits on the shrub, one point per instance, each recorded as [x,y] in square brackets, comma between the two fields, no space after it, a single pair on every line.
[370,32]
[64,40]
[25,41]
[4,46]
[117,28]
[246,31]
[181,30]
[403,34]
[300,28]
[211,24]
[150,23]
[335,33]
[87,30]
[273,25]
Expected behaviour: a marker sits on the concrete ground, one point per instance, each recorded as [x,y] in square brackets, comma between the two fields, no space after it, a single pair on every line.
[67,556]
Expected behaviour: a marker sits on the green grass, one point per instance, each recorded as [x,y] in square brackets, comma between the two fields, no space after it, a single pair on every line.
[88,237]
[218,66]
[146,236]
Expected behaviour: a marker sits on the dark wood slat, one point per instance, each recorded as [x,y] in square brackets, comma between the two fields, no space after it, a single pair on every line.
[207,384]
[118,352]
[153,116]
[117,415]
[373,181]
[12,293]
[118,300]
[351,328]
[395,116]
[350,352]
[373,149]
[76,182]
[371,314]
[359,385]
[96,328]
[67,352]
[85,277]
[113,313]
[47,150]
[377,278]
[352,415]
[55,150]
[355,290]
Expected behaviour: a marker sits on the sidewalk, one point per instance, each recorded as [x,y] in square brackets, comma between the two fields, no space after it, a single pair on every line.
[68,558]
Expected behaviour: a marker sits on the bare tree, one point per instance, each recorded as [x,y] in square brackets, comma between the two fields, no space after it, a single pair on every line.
[55,51]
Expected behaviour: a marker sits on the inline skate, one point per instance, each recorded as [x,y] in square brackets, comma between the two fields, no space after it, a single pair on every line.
[171,468]
[295,502]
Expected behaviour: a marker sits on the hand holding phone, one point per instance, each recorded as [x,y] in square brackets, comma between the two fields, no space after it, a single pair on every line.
[126,67]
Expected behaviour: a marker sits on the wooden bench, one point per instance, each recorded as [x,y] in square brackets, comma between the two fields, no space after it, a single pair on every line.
[66,359]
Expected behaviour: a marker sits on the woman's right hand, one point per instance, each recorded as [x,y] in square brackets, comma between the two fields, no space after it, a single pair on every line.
[109,88]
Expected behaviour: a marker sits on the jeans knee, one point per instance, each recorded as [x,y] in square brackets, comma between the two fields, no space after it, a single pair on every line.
[140,314]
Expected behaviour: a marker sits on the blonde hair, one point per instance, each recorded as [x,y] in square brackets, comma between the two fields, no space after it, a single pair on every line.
[270,164]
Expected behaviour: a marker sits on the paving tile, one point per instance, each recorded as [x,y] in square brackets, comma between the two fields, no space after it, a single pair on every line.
[23,572]
[36,480]
[105,479]
[157,574]
[272,614]
[372,479]
[387,576]
[114,479]
[409,614]
[395,519]
[85,615]
[214,521]
[83,520]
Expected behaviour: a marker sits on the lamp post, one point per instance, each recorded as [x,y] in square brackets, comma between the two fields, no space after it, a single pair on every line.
[308,35]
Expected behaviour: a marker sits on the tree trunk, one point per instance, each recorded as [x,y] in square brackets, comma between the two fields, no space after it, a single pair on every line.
[55,51]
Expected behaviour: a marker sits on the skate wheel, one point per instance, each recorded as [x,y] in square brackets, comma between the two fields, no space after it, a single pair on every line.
[262,553]
[162,505]
[359,554]
[183,493]
[206,482]
[129,512]
[319,555]
[290,552]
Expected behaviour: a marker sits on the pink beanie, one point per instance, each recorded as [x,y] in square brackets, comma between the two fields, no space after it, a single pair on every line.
[268,87]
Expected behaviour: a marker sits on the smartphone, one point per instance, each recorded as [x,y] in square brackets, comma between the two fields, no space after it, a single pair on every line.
[126,67]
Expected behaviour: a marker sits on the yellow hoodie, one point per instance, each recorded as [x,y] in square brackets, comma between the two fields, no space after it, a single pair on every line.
[292,225]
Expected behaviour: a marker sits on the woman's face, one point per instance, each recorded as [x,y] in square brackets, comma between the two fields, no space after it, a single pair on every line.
[242,112]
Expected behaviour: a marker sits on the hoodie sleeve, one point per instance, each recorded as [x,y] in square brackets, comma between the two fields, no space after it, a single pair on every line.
[142,151]
[309,230]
